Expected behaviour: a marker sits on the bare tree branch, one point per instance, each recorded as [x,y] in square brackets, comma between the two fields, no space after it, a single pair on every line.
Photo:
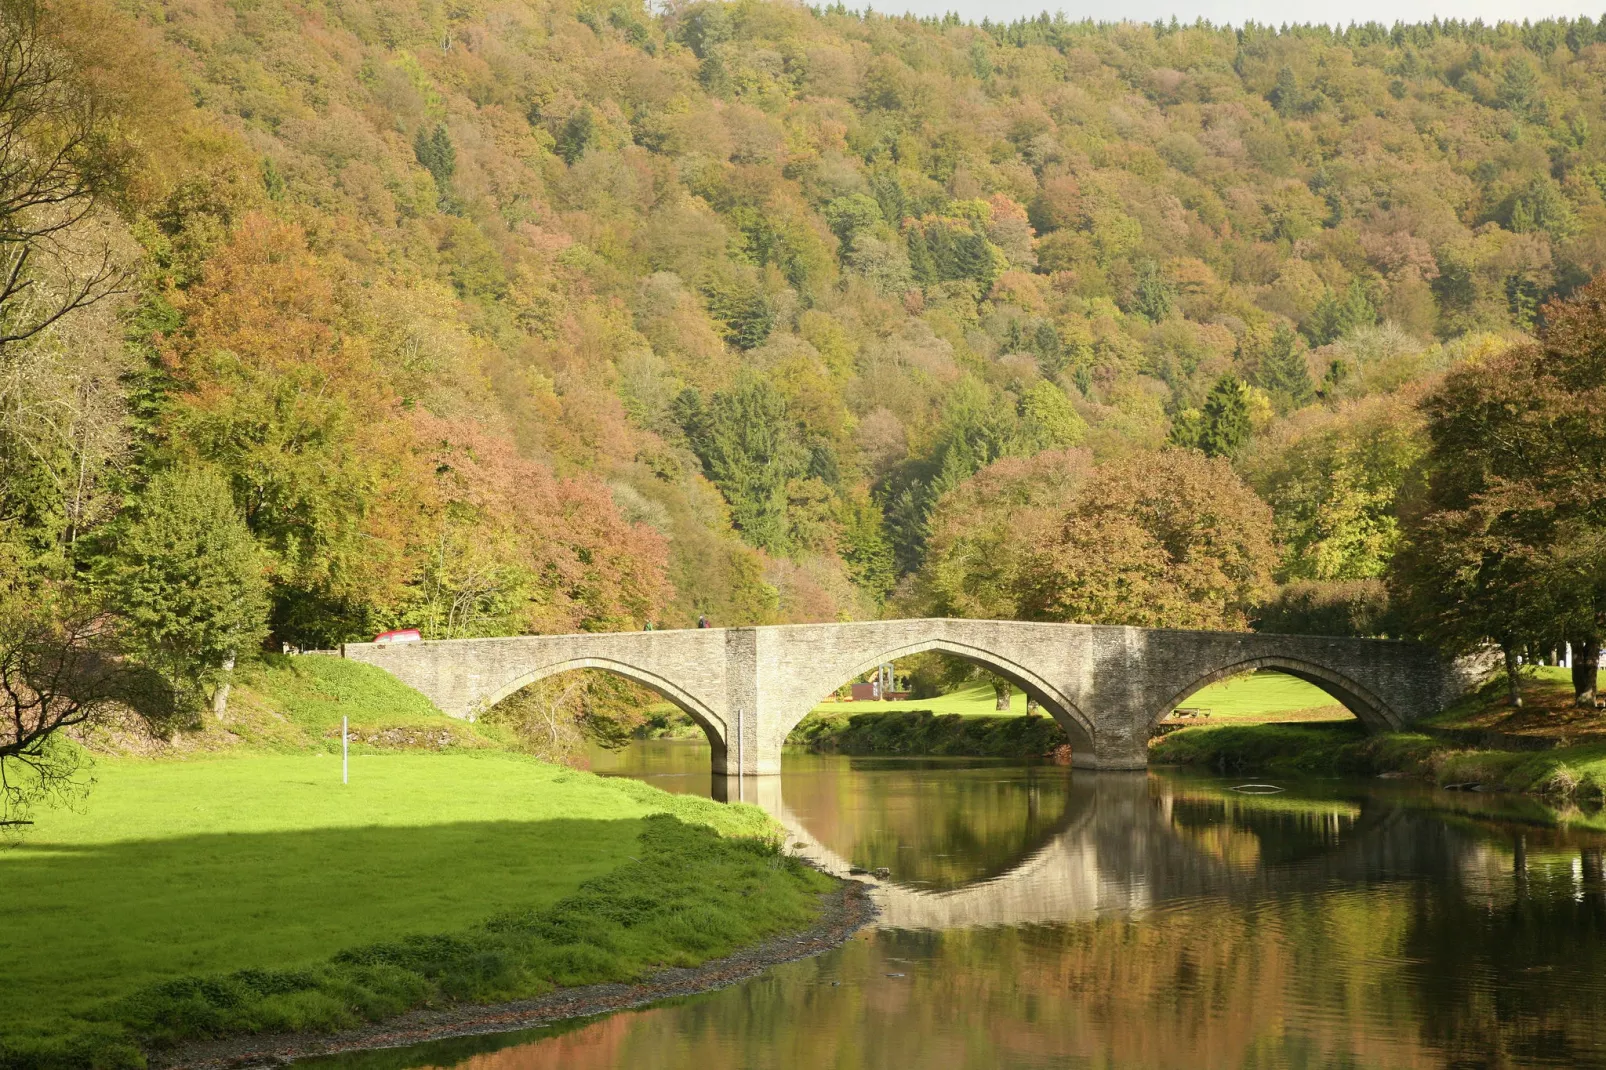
[58,671]
[52,153]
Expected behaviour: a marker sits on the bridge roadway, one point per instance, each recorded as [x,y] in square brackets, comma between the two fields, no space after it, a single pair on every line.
[1106,686]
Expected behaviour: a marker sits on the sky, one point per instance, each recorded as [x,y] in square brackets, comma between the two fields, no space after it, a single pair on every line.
[1237,12]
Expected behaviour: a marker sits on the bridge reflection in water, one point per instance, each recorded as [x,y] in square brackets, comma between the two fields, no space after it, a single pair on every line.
[1122,843]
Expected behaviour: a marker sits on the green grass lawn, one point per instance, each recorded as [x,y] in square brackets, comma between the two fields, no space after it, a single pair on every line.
[1255,696]
[1548,747]
[1264,696]
[205,867]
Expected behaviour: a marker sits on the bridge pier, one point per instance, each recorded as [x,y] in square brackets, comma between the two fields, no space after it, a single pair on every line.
[1106,686]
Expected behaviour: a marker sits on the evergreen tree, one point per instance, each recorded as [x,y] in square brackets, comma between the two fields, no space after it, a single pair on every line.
[1050,351]
[1225,425]
[1285,96]
[1338,314]
[1282,372]
[751,451]
[740,303]
[1187,427]
[436,154]
[186,578]
[1153,295]
[866,548]
[577,135]
[1519,88]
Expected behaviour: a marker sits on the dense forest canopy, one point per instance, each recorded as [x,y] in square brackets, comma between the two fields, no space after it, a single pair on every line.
[503,316]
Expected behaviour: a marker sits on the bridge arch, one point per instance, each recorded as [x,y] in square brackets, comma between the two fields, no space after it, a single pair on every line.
[712,724]
[1370,709]
[1076,723]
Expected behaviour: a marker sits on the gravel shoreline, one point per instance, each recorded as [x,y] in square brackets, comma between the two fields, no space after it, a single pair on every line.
[845,911]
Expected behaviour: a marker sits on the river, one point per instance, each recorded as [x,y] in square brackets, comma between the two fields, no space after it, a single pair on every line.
[1036,916]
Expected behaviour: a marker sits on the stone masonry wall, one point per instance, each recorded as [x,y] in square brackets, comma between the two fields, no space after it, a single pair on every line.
[1105,685]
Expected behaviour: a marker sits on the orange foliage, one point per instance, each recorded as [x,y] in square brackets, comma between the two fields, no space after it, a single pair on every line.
[592,570]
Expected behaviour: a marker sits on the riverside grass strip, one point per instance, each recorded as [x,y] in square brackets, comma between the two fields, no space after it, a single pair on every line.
[689,896]
[263,865]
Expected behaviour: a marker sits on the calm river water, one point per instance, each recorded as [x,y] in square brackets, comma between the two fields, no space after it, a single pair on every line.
[1044,917]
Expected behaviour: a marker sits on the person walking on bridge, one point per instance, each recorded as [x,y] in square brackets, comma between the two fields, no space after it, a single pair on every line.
[702,621]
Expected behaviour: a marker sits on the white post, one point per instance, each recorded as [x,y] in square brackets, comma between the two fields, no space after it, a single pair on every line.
[345,753]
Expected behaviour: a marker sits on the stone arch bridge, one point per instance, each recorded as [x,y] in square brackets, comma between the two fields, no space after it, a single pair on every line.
[1107,686]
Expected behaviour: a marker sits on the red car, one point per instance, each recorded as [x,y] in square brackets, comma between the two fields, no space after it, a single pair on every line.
[400,635]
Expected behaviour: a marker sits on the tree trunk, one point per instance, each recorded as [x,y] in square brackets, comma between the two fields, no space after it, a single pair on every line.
[1586,670]
[220,697]
[1001,693]
[1032,708]
[1513,691]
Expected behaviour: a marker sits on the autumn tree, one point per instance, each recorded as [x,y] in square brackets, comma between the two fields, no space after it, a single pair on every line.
[1332,479]
[986,534]
[1172,539]
[1507,543]
[291,410]
[515,549]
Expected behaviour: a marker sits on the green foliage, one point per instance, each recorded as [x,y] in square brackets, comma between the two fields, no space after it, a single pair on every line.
[1336,315]
[436,154]
[850,216]
[1357,608]
[1048,419]
[1221,427]
[954,248]
[913,732]
[1152,293]
[1541,207]
[704,27]
[866,548]
[185,577]
[578,134]
[1281,372]
[1520,90]
[737,301]
[1333,485]
[748,443]
[1507,542]
[686,241]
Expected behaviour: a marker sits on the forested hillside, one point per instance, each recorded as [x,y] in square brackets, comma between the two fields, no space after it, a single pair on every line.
[490,317]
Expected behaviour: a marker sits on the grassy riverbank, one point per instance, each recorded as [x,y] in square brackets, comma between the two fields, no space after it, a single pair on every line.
[966,722]
[1547,747]
[911,732]
[234,884]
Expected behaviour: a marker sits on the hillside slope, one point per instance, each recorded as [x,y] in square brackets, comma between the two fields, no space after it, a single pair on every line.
[546,316]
